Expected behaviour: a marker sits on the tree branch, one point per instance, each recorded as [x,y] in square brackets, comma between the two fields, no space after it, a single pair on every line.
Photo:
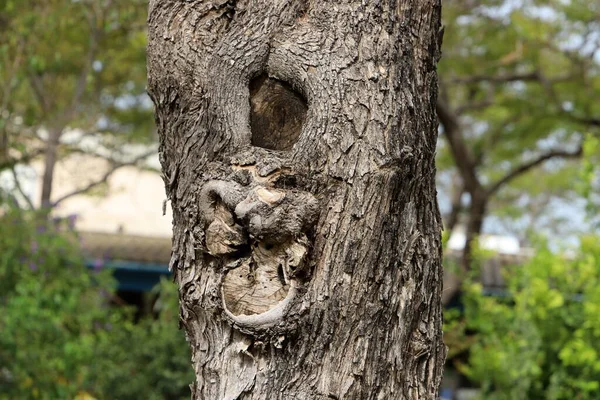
[104,177]
[508,77]
[20,189]
[462,156]
[532,164]
[456,205]
[591,121]
[25,158]
[529,76]
[9,81]
[474,106]
[37,85]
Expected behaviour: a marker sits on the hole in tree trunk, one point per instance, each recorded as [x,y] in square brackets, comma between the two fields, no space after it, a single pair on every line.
[277,113]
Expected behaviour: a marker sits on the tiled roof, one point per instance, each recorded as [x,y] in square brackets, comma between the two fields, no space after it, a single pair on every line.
[143,249]
[157,250]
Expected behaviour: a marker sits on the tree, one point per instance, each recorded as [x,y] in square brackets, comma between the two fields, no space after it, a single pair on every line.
[58,97]
[517,87]
[297,143]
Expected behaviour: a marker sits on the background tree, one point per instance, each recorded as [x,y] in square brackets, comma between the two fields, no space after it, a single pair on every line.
[297,142]
[517,95]
[72,79]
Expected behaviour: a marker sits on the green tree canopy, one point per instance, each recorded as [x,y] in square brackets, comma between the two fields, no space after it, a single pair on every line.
[71,67]
[519,83]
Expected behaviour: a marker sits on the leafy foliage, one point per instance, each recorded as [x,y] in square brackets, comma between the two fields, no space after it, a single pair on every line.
[61,339]
[542,340]
[151,360]
[522,79]
[72,79]
[590,178]
[57,53]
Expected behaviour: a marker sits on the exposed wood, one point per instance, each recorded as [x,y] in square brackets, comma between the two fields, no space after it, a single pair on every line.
[277,114]
[307,248]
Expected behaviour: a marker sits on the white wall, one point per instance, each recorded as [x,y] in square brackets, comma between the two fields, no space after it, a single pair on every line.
[131,202]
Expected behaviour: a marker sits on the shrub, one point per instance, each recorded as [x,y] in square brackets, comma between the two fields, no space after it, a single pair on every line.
[542,339]
[60,338]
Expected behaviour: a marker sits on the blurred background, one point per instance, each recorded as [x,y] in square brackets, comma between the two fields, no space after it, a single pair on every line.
[87,309]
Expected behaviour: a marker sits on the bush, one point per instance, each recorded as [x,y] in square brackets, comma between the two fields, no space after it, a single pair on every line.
[60,339]
[541,340]
[148,360]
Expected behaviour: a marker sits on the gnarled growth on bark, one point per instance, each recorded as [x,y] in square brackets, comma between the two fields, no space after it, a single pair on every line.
[297,144]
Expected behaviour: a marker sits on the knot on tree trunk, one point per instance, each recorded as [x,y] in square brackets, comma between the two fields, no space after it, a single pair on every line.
[259,235]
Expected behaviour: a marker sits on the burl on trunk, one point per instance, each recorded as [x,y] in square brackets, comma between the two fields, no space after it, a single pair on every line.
[297,140]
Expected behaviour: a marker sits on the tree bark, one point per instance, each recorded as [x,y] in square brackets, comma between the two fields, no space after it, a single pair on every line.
[297,142]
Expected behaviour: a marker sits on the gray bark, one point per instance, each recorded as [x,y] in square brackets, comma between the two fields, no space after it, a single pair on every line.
[297,142]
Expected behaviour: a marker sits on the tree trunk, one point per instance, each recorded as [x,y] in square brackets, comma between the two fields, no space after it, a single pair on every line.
[297,141]
[477,211]
[456,206]
[50,158]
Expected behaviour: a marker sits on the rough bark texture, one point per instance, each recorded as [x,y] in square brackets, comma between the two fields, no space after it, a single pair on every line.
[297,144]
